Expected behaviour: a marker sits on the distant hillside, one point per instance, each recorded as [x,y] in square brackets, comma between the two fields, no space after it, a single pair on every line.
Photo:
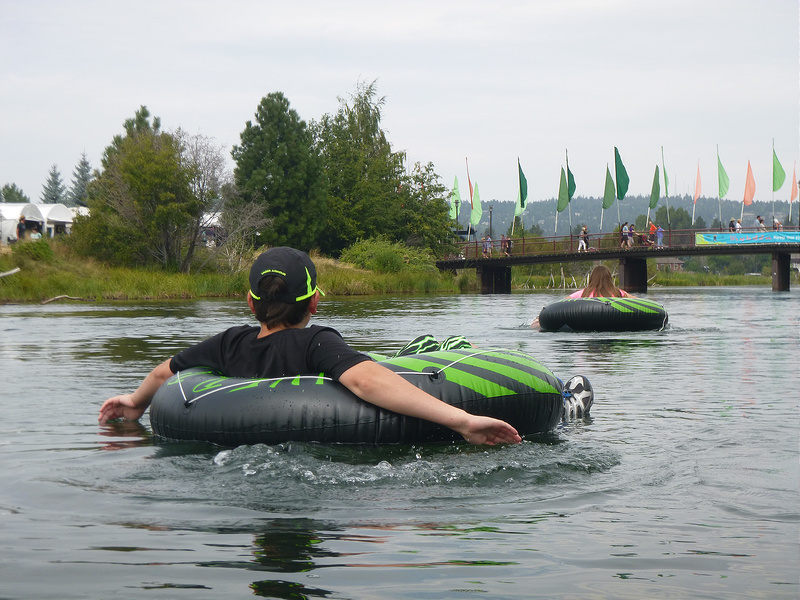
[586,211]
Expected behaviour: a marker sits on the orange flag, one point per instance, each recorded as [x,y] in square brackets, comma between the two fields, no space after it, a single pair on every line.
[697,184]
[794,185]
[749,186]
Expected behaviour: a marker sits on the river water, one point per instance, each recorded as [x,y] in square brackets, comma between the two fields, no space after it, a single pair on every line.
[683,484]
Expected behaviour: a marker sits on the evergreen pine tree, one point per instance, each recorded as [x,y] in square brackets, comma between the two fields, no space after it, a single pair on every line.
[81,177]
[54,190]
[14,195]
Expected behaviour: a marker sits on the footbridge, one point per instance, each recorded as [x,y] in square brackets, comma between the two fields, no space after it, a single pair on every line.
[494,268]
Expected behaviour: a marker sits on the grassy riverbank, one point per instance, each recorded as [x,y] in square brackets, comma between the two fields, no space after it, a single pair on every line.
[50,270]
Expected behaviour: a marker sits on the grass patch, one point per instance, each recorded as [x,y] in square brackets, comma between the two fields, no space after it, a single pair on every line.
[49,269]
[53,270]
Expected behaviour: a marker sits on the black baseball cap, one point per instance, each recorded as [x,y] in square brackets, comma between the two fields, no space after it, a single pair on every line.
[293,266]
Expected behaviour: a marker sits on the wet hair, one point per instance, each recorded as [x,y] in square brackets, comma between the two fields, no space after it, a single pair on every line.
[601,283]
[273,312]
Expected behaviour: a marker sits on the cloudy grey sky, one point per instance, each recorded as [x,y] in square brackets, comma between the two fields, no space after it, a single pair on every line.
[465,78]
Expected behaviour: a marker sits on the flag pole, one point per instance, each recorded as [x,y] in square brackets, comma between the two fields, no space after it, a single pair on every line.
[666,188]
[794,183]
[719,198]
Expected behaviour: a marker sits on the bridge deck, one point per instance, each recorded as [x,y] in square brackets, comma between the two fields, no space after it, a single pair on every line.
[495,272]
[611,254]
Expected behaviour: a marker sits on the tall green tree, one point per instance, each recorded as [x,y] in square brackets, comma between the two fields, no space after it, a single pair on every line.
[364,176]
[143,209]
[422,217]
[81,177]
[54,190]
[12,194]
[369,192]
[278,168]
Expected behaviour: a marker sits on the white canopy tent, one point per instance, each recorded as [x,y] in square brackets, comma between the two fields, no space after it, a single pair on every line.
[10,213]
[50,218]
[57,218]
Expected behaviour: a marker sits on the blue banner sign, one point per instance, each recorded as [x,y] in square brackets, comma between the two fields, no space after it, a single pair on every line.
[748,237]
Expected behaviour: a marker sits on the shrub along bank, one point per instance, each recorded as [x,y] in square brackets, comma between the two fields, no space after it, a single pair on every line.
[49,269]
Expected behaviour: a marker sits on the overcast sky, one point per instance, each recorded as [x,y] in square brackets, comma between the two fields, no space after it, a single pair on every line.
[491,81]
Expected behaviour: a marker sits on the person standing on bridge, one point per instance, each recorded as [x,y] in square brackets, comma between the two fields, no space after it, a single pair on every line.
[659,237]
[623,236]
[583,238]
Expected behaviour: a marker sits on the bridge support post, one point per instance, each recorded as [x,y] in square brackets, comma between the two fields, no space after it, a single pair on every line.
[495,279]
[780,271]
[633,274]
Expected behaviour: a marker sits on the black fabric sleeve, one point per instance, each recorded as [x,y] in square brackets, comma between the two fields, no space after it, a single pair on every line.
[328,353]
[207,353]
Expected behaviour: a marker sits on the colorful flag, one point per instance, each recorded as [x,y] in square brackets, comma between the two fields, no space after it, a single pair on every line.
[656,191]
[622,175]
[523,187]
[563,193]
[477,211]
[469,181]
[794,185]
[749,186]
[778,174]
[697,184]
[608,196]
[455,200]
[722,178]
[666,179]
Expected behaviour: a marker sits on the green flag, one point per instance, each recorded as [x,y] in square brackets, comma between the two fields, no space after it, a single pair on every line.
[563,192]
[455,200]
[622,175]
[666,179]
[778,174]
[570,178]
[656,192]
[477,211]
[518,209]
[608,196]
[722,177]
[523,187]
[570,183]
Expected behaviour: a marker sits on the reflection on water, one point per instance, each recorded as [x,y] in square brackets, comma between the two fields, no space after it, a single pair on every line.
[683,483]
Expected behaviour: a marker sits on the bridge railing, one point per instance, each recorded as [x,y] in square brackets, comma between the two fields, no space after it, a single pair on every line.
[564,244]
